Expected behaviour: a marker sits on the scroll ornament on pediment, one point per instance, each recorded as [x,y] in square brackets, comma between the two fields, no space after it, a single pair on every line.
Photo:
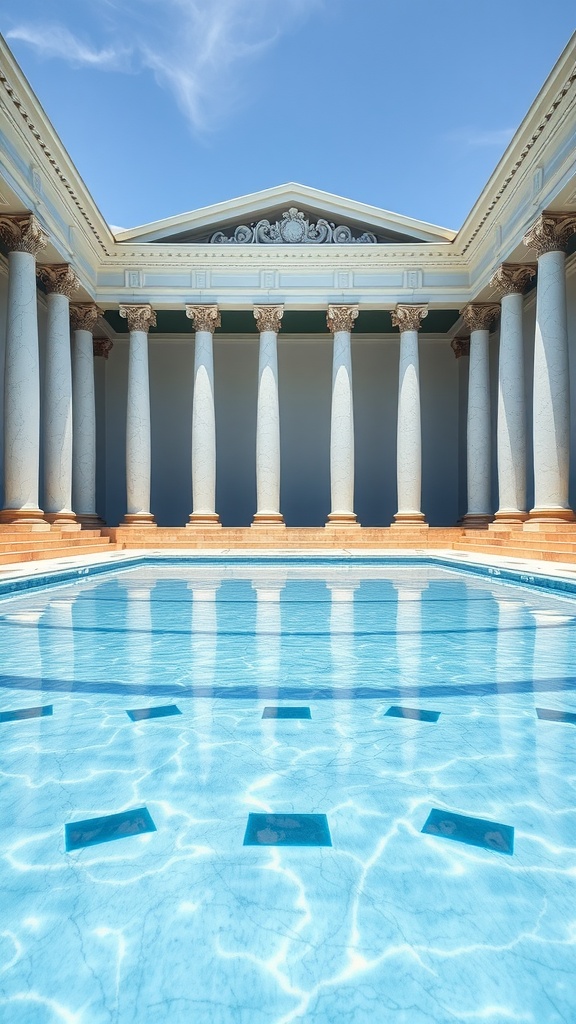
[295,228]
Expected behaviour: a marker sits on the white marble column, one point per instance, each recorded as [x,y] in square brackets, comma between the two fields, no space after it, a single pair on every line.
[268,319]
[24,239]
[409,433]
[83,318]
[551,396]
[340,322]
[138,440]
[479,318]
[205,320]
[60,281]
[511,280]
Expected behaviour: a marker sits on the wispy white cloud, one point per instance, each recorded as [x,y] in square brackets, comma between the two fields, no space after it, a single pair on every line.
[201,50]
[497,137]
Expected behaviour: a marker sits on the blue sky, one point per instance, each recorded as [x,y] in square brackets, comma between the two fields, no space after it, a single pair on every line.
[169,105]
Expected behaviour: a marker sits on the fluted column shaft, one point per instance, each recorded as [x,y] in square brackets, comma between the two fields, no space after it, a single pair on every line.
[24,240]
[206,319]
[138,439]
[551,394]
[478,448]
[511,280]
[340,323]
[83,319]
[268,512]
[60,281]
[409,431]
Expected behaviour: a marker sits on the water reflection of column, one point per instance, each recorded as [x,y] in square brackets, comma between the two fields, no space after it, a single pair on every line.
[268,634]
[58,657]
[138,647]
[513,655]
[551,661]
[342,641]
[409,651]
[203,649]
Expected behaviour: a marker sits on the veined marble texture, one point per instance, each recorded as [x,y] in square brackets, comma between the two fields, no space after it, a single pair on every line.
[186,924]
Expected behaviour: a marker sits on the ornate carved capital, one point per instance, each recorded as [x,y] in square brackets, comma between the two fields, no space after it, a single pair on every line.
[59,278]
[102,347]
[341,318]
[268,318]
[408,318]
[21,232]
[479,316]
[204,318]
[550,233]
[140,318]
[512,278]
[460,347]
[83,316]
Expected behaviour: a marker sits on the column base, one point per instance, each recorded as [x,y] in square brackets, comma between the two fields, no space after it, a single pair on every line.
[24,517]
[551,515]
[268,519]
[61,518]
[476,521]
[410,519]
[509,516]
[203,519]
[342,519]
[138,519]
[90,520]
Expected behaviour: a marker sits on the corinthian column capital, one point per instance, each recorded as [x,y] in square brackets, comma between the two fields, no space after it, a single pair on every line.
[102,347]
[460,347]
[512,278]
[268,318]
[550,233]
[58,278]
[479,316]
[83,316]
[408,318]
[204,318]
[22,233]
[341,318]
[140,318]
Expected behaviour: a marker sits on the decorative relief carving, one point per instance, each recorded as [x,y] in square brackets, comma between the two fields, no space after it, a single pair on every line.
[102,347]
[512,278]
[204,318]
[268,318]
[480,316]
[83,316]
[294,229]
[341,318]
[408,318]
[140,318]
[22,233]
[59,278]
[550,233]
[460,347]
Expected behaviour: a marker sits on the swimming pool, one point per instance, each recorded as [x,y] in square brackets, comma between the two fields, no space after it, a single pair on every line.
[241,730]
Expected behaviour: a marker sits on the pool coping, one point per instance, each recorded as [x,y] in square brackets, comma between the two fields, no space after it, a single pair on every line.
[559,577]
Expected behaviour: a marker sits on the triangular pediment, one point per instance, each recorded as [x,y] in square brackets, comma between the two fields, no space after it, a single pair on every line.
[285,215]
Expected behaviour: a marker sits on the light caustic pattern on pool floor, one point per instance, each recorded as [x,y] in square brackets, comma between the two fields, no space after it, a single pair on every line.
[187,924]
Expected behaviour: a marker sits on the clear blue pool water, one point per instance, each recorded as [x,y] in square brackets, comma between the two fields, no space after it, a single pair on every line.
[265,870]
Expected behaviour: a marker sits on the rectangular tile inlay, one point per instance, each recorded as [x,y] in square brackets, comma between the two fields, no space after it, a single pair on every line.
[141,713]
[416,713]
[16,716]
[552,715]
[271,712]
[111,826]
[489,835]
[287,830]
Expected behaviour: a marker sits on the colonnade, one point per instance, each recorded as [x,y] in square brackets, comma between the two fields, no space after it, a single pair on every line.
[69,422]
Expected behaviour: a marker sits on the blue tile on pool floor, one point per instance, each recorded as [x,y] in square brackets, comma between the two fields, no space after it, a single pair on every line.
[17,716]
[551,715]
[93,831]
[489,835]
[140,714]
[287,830]
[418,714]
[271,712]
